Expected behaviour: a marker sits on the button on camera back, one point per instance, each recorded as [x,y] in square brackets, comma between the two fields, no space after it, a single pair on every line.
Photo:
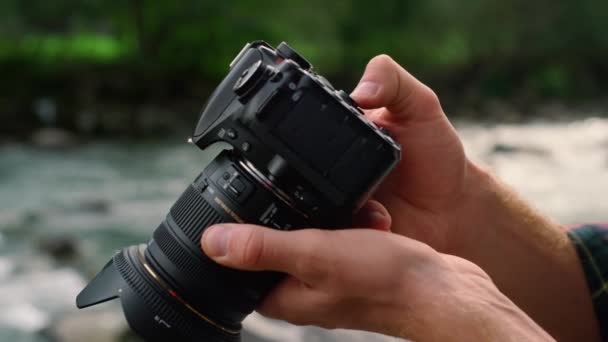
[346,98]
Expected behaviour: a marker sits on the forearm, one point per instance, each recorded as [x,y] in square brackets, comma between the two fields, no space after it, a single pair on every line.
[503,321]
[469,308]
[529,257]
[480,324]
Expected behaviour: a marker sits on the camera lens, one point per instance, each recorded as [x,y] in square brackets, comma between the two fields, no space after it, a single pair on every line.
[169,287]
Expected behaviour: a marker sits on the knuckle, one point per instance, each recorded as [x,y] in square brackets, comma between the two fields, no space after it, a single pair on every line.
[426,256]
[300,320]
[251,248]
[299,317]
[427,99]
[333,309]
[329,325]
[313,264]
[291,309]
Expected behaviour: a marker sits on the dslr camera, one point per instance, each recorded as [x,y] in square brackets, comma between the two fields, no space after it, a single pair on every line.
[302,155]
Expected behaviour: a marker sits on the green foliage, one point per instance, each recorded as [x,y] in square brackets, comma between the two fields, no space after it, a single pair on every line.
[498,46]
[56,49]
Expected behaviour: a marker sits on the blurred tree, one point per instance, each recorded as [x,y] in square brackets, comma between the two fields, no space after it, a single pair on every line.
[145,49]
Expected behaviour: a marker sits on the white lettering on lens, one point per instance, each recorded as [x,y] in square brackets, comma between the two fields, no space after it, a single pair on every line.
[268,213]
[162,322]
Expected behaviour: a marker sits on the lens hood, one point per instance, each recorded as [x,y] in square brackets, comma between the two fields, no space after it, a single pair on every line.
[154,312]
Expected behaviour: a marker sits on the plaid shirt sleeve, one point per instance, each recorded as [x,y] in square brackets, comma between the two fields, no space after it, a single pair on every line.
[591,243]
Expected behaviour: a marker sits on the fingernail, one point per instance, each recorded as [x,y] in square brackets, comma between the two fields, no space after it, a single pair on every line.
[215,240]
[371,218]
[366,89]
[376,216]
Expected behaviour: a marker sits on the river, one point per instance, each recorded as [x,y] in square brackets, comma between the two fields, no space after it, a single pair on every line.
[63,213]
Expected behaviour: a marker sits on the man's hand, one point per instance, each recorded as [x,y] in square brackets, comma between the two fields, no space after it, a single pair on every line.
[436,195]
[431,181]
[372,280]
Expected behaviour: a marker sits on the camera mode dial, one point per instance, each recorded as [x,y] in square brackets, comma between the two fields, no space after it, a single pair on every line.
[249,78]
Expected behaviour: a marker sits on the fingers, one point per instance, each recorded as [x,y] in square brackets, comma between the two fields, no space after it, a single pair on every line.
[373,215]
[336,275]
[386,84]
[294,302]
[248,247]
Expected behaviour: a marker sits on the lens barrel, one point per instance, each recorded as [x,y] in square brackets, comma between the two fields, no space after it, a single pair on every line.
[169,287]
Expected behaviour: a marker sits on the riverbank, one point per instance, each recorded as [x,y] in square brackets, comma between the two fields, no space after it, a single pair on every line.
[65,211]
[49,124]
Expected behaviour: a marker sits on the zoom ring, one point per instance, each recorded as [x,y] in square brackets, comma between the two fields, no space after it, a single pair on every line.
[179,240]
[205,274]
[193,214]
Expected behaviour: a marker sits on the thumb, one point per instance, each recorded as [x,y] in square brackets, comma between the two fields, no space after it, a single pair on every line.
[386,84]
[255,248]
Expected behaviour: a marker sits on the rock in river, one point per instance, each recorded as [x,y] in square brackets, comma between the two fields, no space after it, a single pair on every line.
[61,248]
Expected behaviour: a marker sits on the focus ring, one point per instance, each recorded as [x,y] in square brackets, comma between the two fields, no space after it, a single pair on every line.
[150,297]
[183,320]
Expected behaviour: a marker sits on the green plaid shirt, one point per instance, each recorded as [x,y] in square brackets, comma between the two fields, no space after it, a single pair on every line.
[591,243]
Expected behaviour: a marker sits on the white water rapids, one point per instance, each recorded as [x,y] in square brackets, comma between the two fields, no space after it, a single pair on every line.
[106,196]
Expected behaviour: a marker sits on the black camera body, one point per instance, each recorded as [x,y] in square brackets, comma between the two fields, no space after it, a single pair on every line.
[303,156]
[309,138]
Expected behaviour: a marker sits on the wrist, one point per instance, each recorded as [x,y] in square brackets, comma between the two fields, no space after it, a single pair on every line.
[502,320]
[462,304]
[471,216]
[528,256]
[491,214]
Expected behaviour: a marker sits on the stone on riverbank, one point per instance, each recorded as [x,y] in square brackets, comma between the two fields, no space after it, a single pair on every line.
[53,138]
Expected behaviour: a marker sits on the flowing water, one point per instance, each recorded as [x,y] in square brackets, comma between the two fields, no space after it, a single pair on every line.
[63,213]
